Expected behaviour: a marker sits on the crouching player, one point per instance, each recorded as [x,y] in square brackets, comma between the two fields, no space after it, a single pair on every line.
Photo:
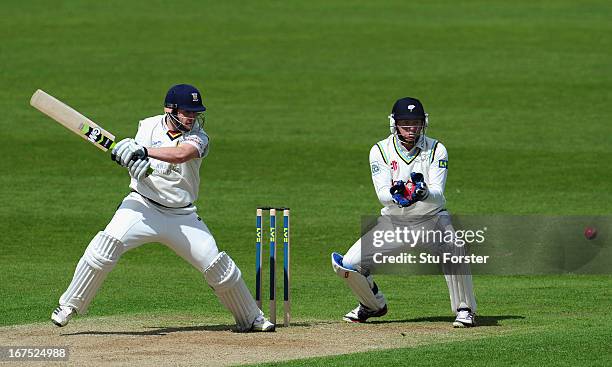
[408,155]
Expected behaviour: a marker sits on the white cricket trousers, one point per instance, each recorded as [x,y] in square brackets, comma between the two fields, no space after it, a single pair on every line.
[138,221]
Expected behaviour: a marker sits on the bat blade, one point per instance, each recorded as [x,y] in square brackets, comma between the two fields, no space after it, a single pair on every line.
[72,119]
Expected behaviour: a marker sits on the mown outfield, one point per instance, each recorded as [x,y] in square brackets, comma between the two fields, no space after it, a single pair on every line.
[297,93]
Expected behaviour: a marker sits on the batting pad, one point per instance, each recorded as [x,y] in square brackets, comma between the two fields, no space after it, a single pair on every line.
[226,280]
[363,288]
[98,260]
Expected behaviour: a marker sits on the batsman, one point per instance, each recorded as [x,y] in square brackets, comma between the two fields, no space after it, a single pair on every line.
[409,172]
[160,208]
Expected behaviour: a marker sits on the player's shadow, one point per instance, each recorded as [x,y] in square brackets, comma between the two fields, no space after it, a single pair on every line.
[480,320]
[161,331]
[158,330]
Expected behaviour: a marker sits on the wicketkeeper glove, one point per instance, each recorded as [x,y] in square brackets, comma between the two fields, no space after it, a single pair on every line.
[398,193]
[405,195]
[128,150]
[421,192]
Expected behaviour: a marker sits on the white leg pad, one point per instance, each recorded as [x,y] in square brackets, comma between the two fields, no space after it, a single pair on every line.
[362,287]
[98,260]
[226,280]
[461,291]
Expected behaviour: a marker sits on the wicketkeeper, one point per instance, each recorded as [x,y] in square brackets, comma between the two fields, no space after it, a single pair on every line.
[160,209]
[409,174]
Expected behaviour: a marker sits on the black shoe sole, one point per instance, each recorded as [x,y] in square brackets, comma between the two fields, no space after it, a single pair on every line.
[57,323]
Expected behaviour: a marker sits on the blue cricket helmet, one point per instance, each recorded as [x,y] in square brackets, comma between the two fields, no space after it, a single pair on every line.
[186,97]
[408,108]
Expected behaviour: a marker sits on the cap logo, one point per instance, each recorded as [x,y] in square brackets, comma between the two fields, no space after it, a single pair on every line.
[411,107]
[195,97]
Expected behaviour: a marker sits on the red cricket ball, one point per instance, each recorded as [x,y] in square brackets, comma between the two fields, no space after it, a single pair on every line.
[590,233]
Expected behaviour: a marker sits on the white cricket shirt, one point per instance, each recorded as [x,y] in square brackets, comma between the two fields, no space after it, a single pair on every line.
[390,162]
[174,185]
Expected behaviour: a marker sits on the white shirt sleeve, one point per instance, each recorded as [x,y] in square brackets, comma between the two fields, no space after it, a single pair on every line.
[438,170]
[381,176]
[141,136]
[200,141]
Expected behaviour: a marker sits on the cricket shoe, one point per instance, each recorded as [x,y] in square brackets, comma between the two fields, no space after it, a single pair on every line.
[262,324]
[62,314]
[465,318]
[361,314]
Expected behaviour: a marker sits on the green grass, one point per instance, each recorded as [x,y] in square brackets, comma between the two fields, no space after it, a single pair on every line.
[297,92]
[543,320]
[557,347]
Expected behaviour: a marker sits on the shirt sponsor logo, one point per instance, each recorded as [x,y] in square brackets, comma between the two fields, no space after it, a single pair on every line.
[165,168]
[394,165]
[443,163]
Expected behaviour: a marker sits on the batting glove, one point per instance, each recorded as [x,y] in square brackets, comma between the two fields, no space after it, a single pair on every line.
[119,148]
[138,168]
[130,151]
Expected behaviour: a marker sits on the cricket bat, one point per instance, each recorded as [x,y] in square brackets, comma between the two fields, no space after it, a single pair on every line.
[74,121]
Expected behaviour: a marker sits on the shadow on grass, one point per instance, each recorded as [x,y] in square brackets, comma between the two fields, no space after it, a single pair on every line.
[161,331]
[481,320]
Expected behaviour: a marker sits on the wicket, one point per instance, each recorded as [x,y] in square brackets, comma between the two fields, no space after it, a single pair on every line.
[286,261]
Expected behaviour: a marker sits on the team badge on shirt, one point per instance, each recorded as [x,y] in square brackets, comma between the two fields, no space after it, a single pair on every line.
[443,163]
[375,168]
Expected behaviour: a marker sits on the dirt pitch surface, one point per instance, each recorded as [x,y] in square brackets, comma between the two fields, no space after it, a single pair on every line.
[179,341]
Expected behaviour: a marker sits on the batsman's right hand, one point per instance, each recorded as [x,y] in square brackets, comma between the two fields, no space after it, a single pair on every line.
[138,168]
